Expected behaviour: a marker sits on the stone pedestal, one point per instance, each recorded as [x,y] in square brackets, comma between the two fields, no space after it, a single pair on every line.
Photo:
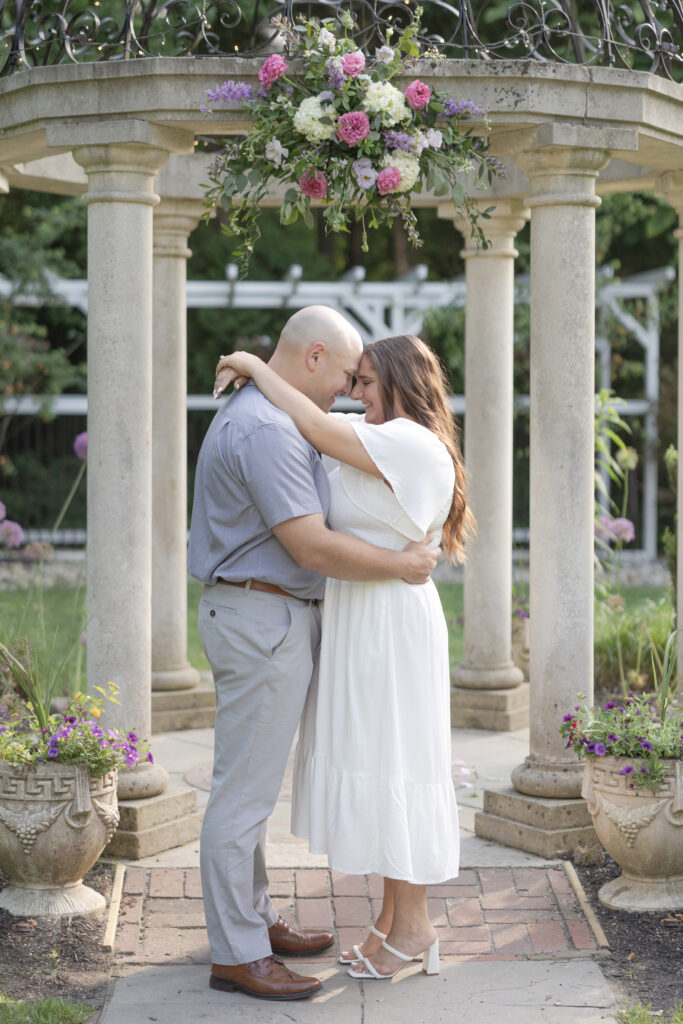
[562,173]
[174,219]
[153,825]
[488,691]
[185,709]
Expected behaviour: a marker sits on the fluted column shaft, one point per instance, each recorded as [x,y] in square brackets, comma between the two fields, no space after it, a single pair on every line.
[562,204]
[120,201]
[174,219]
[489,337]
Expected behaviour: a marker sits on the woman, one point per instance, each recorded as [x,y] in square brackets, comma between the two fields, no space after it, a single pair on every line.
[372,780]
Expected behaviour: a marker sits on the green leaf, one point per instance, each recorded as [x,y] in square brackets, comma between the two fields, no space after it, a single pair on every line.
[291,195]
[288,214]
[308,219]
[240,183]
[458,194]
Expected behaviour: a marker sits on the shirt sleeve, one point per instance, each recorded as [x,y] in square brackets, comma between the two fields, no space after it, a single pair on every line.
[416,464]
[275,465]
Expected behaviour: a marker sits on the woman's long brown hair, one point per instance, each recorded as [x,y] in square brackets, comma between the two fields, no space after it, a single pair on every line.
[408,370]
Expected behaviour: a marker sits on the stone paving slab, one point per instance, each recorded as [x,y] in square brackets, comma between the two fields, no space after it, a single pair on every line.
[525,991]
[526,912]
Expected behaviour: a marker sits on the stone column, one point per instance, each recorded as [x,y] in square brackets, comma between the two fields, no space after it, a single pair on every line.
[489,690]
[562,175]
[174,219]
[670,185]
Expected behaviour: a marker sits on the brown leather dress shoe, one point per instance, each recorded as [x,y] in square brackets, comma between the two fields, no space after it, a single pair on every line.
[286,940]
[267,978]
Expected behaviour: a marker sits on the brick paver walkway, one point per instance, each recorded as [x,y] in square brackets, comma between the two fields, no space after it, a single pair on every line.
[488,914]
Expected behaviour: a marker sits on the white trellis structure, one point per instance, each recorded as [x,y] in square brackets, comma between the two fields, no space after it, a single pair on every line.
[380,308]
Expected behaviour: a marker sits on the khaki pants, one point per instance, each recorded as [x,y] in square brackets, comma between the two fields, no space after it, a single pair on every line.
[261,648]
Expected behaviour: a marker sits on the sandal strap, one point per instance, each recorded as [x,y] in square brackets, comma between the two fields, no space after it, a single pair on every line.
[370,967]
[396,952]
[377,932]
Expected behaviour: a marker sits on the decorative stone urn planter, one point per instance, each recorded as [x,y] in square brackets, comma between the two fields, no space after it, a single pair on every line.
[642,830]
[55,820]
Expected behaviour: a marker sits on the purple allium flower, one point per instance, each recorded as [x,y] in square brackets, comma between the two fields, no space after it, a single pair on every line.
[623,529]
[628,770]
[81,445]
[399,140]
[11,533]
[230,92]
[646,745]
[3,511]
[461,108]
[600,749]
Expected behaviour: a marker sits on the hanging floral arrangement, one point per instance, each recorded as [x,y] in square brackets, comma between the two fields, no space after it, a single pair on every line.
[336,129]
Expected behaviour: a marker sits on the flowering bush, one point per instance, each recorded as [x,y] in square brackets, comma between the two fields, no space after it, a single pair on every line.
[334,128]
[636,729]
[74,737]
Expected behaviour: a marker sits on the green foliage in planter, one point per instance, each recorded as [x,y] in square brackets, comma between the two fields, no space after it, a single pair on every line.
[641,631]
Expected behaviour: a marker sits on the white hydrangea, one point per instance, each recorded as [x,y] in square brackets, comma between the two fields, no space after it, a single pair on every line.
[384,99]
[307,119]
[407,165]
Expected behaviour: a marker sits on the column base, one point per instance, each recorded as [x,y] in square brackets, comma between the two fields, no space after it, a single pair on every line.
[548,828]
[497,710]
[185,709]
[182,678]
[142,782]
[505,676]
[151,826]
[548,779]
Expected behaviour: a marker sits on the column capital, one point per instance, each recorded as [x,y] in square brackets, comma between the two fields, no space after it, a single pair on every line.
[504,220]
[174,220]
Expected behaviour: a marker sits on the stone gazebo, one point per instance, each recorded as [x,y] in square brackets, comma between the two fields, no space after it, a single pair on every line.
[121,132]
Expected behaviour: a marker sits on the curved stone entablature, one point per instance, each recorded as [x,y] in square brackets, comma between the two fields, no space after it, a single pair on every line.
[41,109]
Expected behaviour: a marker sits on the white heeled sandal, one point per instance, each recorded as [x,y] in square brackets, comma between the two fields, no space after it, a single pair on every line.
[430,963]
[358,955]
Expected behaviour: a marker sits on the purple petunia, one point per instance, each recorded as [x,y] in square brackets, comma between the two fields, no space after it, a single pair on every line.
[644,770]
[131,737]
[53,752]
[646,745]
[613,738]
[150,758]
[568,717]
[600,749]
[628,770]
[230,92]
[609,705]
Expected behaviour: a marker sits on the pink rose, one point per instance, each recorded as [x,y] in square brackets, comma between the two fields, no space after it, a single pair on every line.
[387,180]
[353,63]
[272,69]
[313,184]
[353,127]
[418,94]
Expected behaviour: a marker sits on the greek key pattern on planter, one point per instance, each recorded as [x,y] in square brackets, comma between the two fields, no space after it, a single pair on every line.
[630,820]
[42,796]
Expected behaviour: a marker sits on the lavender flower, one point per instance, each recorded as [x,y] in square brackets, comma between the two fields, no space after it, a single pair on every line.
[335,72]
[231,92]
[461,108]
[326,96]
[399,140]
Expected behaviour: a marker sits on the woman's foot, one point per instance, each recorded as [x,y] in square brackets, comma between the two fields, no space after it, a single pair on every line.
[410,941]
[369,947]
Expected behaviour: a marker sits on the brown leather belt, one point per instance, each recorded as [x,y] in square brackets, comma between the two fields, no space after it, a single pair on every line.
[267,588]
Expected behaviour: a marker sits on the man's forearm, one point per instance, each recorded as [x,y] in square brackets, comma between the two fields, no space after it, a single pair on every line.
[349,558]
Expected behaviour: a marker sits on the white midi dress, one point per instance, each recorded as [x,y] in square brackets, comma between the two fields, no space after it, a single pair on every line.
[372,777]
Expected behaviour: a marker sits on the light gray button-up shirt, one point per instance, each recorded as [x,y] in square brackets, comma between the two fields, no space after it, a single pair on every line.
[255,470]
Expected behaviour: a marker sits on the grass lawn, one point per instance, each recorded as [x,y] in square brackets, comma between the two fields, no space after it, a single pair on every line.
[54,621]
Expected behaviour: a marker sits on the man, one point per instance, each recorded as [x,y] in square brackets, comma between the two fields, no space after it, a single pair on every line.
[260,545]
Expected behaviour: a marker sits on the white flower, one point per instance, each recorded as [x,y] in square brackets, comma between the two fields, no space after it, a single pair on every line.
[384,99]
[366,175]
[385,54]
[307,119]
[406,164]
[421,142]
[363,78]
[326,96]
[275,152]
[326,40]
[434,138]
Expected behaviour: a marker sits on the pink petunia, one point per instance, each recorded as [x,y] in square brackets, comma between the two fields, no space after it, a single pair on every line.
[353,63]
[313,184]
[273,68]
[388,180]
[81,445]
[353,127]
[418,94]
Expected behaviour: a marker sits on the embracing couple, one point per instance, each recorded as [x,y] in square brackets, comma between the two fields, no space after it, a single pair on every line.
[365,674]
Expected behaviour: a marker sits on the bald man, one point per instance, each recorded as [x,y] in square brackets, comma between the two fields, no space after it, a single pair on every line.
[260,545]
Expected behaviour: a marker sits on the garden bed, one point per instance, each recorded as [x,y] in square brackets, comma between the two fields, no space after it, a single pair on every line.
[57,956]
[645,959]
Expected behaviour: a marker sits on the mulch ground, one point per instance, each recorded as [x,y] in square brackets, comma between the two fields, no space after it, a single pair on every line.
[57,956]
[645,959]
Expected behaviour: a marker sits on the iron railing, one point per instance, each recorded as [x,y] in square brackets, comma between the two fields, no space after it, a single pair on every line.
[638,34]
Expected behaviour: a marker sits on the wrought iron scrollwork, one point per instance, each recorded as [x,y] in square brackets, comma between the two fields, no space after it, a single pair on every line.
[637,34]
